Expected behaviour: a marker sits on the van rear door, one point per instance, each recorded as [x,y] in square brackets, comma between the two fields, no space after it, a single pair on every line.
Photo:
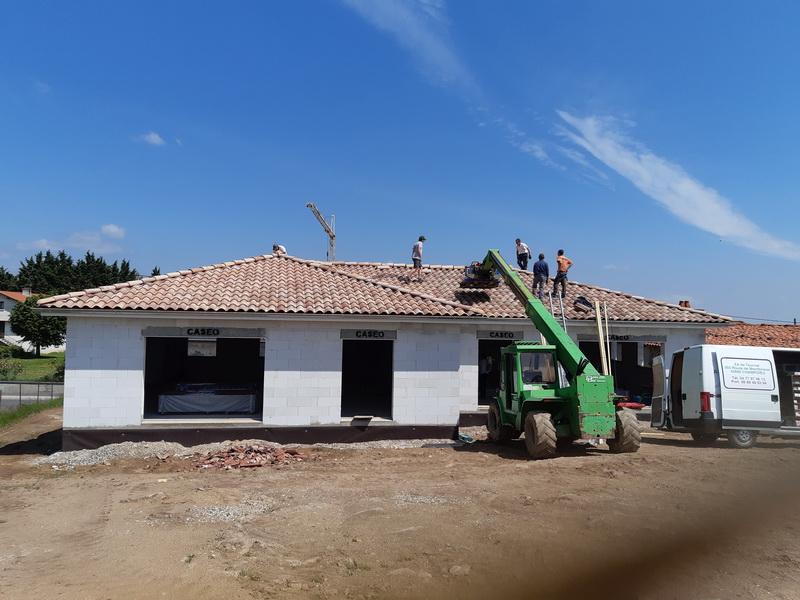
[749,387]
[659,403]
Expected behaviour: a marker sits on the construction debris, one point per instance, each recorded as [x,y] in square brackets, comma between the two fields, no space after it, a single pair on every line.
[249,455]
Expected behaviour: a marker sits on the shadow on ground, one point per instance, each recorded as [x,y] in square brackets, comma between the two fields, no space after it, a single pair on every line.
[47,443]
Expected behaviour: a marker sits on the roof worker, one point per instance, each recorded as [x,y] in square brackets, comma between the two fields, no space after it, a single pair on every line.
[541,276]
[277,249]
[523,254]
[416,258]
[564,265]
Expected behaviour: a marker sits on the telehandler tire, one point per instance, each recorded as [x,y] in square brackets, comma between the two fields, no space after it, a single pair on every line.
[496,430]
[540,434]
[742,438]
[629,436]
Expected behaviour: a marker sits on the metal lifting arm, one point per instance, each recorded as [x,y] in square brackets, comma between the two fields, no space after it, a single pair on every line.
[568,352]
[321,219]
[328,229]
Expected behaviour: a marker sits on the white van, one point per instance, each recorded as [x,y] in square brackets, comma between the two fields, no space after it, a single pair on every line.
[737,391]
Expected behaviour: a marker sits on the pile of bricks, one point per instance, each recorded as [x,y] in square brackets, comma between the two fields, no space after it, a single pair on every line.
[249,455]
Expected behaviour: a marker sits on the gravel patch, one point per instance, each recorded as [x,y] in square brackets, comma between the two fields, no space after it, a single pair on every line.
[162,449]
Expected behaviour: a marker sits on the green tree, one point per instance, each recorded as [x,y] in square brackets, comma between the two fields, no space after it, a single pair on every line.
[155,272]
[36,328]
[48,273]
[8,283]
[51,274]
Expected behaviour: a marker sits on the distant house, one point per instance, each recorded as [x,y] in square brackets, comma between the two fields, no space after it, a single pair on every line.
[7,301]
[286,349]
[756,334]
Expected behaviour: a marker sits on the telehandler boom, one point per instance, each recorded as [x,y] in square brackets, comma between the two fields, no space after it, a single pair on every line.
[551,392]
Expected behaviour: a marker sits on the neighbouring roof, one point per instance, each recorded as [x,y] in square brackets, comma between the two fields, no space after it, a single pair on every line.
[756,334]
[285,284]
[18,296]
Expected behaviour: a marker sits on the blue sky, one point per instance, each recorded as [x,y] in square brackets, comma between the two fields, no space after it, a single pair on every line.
[656,142]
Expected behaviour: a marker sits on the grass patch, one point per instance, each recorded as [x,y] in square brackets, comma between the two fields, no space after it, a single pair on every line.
[39,369]
[26,410]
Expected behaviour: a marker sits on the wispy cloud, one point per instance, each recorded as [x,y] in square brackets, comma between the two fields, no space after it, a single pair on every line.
[422,27]
[92,241]
[113,231]
[151,138]
[667,183]
[42,87]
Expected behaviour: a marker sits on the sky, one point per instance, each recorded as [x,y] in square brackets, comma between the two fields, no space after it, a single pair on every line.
[657,143]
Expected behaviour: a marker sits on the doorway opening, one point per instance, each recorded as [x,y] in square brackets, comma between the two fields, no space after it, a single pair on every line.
[223,377]
[367,378]
[489,369]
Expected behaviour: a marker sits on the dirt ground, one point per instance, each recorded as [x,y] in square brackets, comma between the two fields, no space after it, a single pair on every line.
[477,521]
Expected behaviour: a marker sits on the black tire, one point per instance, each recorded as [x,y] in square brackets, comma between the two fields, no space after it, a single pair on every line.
[628,437]
[497,431]
[704,439]
[540,435]
[742,438]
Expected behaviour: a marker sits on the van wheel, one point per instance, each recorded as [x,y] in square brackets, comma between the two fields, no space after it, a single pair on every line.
[742,438]
[497,431]
[629,436]
[540,435]
[704,439]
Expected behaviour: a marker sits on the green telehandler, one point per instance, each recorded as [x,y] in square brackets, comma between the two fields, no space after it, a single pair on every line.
[550,392]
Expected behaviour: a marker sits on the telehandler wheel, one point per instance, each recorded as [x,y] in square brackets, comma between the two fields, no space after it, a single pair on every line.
[742,438]
[540,435]
[629,436]
[497,431]
[704,439]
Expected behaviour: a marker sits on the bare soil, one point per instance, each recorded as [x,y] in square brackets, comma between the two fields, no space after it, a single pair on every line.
[477,521]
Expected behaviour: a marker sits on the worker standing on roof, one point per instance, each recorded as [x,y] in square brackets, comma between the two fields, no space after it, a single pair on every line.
[416,258]
[278,249]
[541,275]
[564,265]
[523,254]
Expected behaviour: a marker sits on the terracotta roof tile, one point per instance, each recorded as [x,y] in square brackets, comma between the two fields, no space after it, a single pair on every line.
[756,334]
[18,296]
[285,284]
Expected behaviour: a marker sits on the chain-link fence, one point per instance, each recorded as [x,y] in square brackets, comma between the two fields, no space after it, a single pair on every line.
[14,394]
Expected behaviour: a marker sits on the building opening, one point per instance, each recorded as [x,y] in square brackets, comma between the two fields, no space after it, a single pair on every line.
[367,373]
[489,369]
[631,379]
[222,377]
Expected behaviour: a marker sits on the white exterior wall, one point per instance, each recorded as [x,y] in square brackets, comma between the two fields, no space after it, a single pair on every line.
[435,367]
[104,379]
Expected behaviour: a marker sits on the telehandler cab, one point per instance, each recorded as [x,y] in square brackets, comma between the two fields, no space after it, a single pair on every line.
[550,392]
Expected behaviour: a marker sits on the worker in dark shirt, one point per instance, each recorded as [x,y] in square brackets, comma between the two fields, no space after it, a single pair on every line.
[541,275]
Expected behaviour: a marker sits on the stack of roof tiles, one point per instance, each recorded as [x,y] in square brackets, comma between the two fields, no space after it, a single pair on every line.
[285,284]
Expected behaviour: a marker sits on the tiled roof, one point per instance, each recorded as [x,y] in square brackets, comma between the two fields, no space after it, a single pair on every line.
[18,296]
[756,334]
[285,284]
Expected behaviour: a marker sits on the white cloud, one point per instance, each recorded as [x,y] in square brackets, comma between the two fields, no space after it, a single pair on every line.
[668,184]
[92,241]
[151,138]
[113,231]
[421,27]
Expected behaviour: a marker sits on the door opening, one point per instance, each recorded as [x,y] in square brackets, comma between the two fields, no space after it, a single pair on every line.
[367,374]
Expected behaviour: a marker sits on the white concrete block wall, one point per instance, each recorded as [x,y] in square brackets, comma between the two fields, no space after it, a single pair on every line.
[427,382]
[104,379]
[302,377]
